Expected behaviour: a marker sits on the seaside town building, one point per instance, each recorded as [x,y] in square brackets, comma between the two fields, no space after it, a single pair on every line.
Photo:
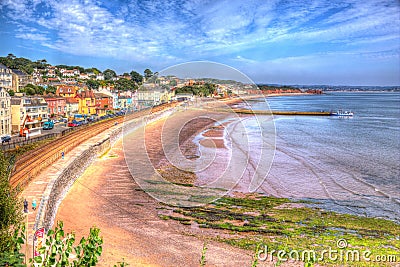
[68,80]
[104,103]
[70,73]
[124,102]
[135,100]
[87,102]
[153,96]
[53,81]
[20,79]
[37,77]
[110,91]
[84,76]
[72,106]
[5,112]
[100,77]
[51,73]
[29,112]
[57,106]
[5,77]
[67,90]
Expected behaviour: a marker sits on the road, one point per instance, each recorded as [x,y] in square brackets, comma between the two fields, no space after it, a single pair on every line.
[59,127]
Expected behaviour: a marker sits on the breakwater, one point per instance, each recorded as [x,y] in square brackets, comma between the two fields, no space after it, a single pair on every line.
[279,112]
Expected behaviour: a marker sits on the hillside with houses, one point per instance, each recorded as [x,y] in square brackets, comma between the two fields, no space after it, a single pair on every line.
[33,92]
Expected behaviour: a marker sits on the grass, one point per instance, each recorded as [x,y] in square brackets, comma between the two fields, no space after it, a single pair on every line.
[203,255]
[254,222]
[20,150]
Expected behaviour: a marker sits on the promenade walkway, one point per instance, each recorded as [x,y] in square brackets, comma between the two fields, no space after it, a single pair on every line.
[39,189]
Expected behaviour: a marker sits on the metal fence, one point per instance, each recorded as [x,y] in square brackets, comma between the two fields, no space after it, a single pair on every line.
[7,146]
[14,144]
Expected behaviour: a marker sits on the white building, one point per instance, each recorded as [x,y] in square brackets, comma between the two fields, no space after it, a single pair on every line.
[100,77]
[5,112]
[83,76]
[146,98]
[29,112]
[5,77]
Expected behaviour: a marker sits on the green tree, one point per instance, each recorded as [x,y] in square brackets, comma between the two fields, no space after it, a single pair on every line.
[136,77]
[51,89]
[62,66]
[11,216]
[94,70]
[13,62]
[93,84]
[109,74]
[81,69]
[11,56]
[40,64]
[31,89]
[173,83]
[11,92]
[148,73]
[125,85]
[39,90]
[201,90]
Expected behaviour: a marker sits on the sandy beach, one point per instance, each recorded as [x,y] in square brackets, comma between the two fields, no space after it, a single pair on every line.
[107,196]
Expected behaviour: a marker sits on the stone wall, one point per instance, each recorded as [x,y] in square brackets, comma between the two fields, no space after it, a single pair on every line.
[67,178]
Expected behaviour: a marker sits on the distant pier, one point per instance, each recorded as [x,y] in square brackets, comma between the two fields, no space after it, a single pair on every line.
[280,112]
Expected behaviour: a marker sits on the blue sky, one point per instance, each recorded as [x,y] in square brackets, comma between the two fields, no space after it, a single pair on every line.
[284,42]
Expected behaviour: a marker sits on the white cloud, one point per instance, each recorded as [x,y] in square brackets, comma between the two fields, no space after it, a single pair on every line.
[32,36]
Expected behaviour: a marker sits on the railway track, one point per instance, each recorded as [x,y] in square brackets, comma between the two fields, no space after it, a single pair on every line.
[29,165]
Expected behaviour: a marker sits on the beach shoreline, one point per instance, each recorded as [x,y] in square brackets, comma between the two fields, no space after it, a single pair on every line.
[107,196]
[139,228]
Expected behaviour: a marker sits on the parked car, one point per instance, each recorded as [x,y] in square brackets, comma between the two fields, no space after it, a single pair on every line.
[5,138]
[73,124]
[48,125]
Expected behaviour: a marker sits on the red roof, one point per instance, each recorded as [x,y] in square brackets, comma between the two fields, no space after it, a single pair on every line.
[86,94]
[71,100]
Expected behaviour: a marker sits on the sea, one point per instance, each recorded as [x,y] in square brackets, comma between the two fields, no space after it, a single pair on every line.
[342,164]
